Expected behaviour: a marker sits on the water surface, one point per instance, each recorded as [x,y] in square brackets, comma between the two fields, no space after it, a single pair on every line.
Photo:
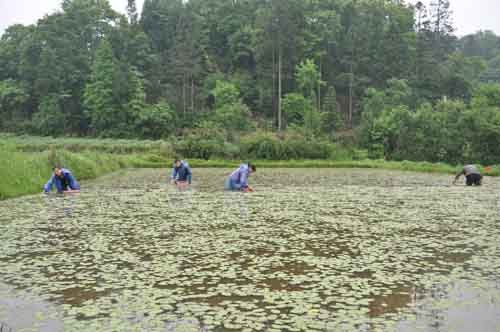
[310,250]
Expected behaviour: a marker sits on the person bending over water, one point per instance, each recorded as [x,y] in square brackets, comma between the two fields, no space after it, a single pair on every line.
[472,175]
[181,174]
[238,180]
[63,180]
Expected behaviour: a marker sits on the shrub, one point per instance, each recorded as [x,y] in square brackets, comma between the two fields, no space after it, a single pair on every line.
[155,121]
[270,146]
[197,148]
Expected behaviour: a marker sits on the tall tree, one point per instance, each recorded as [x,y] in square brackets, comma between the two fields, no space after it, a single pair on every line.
[308,78]
[102,108]
[442,25]
[281,29]
[323,28]
[132,12]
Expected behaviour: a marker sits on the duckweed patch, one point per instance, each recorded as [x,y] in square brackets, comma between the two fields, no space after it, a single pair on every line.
[321,250]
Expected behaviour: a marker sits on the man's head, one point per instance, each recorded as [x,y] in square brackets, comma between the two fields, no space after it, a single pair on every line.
[177,163]
[58,171]
[252,168]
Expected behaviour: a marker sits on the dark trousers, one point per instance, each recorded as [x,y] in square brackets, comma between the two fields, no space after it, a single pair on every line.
[473,179]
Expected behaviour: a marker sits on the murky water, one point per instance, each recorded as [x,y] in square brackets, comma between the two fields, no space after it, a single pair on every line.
[310,250]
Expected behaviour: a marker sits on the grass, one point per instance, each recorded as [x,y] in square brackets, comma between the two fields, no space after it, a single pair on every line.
[381,164]
[25,173]
[26,162]
[115,146]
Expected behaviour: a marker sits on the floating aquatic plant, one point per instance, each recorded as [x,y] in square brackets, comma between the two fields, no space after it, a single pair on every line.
[322,250]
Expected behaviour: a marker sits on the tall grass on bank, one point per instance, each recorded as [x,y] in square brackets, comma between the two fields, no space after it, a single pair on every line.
[115,146]
[25,173]
[26,162]
[374,164]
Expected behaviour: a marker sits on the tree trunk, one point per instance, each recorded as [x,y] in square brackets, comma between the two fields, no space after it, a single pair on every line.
[351,80]
[279,87]
[349,116]
[192,95]
[310,131]
[184,94]
[273,92]
[319,86]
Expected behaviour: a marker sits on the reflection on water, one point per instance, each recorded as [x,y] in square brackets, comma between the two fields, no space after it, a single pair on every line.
[310,250]
[20,311]
[472,308]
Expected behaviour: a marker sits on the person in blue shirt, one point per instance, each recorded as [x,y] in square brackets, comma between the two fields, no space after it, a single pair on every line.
[63,180]
[181,173]
[238,180]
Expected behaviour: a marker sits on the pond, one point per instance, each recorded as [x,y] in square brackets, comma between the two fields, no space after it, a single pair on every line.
[310,250]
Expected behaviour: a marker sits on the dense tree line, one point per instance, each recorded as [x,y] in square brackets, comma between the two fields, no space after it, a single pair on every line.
[315,67]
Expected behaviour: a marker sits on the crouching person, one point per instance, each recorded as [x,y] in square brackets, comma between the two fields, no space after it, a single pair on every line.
[472,175]
[238,180]
[63,180]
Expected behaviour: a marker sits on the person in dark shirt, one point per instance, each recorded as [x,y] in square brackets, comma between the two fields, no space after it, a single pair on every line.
[472,175]
[181,174]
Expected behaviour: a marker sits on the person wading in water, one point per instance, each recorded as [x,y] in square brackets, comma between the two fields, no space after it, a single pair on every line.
[64,181]
[238,180]
[472,175]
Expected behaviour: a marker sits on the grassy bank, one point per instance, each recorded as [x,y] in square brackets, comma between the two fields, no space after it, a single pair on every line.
[375,164]
[25,173]
[26,162]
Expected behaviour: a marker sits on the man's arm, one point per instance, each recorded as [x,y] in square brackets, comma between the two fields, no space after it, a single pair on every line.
[462,172]
[244,179]
[48,186]
[174,173]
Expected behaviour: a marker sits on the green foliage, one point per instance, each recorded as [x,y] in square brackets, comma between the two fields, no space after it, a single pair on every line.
[99,95]
[487,95]
[295,107]
[300,110]
[449,131]
[201,143]
[89,71]
[330,101]
[195,148]
[25,161]
[378,109]
[235,116]
[13,100]
[331,117]
[115,99]
[484,44]
[155,121]
[461,73]
[230,112]
[225,93]
[50,119]
[331,122]
[262,146]
[270,146]
[312,122]
[308,77]
[34,144]
[26,173]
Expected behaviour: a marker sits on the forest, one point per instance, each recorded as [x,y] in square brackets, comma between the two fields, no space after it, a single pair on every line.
[282,78]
